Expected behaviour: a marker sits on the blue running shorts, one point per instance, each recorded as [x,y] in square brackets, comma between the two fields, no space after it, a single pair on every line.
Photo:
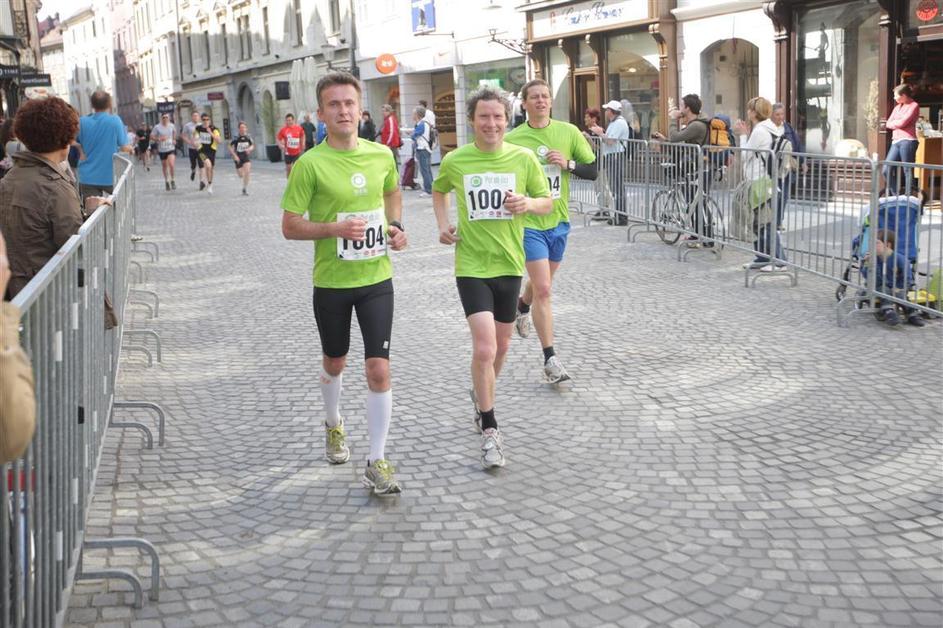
[546,244]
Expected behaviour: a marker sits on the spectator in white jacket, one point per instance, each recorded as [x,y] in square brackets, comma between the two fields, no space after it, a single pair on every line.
[756,167]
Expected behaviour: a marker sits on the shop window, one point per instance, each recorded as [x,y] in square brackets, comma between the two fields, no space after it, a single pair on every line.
[558,75]
[585,57]
[508,75]
[837,62]
[632,78]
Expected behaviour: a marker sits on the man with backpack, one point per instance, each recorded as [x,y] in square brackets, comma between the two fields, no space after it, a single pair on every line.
[688,126]
[422,138]
[790,143]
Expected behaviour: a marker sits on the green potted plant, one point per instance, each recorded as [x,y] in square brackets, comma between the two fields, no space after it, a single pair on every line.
[272,151]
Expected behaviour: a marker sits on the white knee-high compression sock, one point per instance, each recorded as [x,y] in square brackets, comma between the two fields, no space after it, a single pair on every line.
[331,393]
[379,411]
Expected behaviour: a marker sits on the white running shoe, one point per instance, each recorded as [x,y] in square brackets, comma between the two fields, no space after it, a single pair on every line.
[379,477]
[554,371]
[335,443]
[492,454]
[522,324]
[209,188]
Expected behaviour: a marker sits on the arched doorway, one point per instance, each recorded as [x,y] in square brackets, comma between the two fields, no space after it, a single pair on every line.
[246,108]
[729,77]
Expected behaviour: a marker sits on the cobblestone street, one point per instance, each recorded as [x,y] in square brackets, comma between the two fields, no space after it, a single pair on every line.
[724,456]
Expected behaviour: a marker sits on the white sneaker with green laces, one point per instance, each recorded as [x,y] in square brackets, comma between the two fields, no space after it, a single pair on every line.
[335,443]
[522,324]
[492,453]
[379,476]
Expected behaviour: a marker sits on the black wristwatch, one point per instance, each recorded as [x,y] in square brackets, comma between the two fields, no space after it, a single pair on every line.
[398,225]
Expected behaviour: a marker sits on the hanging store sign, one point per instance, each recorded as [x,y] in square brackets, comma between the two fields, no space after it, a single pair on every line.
[423,14]
[386,64]
[927,10]
[587,16]
[9,71]
[216,96]
[166,107]
[35,79]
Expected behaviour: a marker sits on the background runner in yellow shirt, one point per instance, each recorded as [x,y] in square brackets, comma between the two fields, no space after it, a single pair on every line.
[496,184]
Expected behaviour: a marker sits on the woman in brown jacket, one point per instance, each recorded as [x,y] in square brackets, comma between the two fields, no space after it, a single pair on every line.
[39,204]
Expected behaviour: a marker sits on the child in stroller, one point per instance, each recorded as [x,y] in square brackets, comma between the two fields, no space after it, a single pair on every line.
[893,276]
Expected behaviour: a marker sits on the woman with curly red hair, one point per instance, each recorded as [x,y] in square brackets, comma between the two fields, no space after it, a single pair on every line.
[39,203]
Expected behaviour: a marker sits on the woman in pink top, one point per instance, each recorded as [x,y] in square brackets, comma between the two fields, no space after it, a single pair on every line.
[903,122]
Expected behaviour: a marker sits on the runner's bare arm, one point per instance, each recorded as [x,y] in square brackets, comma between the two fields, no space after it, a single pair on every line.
[297,227]
[393,206]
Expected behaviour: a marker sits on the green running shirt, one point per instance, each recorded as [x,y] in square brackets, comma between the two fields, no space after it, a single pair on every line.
[562,137]
[491,239]
[330,185]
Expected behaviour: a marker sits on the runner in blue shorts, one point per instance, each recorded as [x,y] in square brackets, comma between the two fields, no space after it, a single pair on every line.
[562,150]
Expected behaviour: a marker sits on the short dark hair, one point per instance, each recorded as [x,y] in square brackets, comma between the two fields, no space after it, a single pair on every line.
[289,115]
[46,125]
[101,100]
[338,78]
[904,90]
[488,93]
[424,103]
[692,102]
[533,83]
[887,236]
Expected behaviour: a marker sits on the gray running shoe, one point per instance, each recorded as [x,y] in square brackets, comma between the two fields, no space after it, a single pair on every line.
[477,410]
[492,454]
[379,477]
[554,371]
[173,184]
[167,185]
[522,324]
[335,443]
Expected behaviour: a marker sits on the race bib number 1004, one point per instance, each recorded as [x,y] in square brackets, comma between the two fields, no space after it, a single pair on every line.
[374,243]
[484,195]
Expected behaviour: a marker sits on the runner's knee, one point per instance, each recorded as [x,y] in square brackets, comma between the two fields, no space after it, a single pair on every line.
[485,351]
[378,374]
[334,366]
[541,290]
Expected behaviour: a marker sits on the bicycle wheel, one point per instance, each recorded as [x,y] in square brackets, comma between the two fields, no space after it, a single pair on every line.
[714,217]
[667,214]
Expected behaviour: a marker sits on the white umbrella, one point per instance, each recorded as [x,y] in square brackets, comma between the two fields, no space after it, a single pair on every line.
[310,85]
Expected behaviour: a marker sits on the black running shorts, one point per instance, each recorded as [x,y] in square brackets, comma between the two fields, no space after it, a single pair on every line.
[241,160]
[290,159]
[497,295]
[164,156]
[374,305]
[207,154]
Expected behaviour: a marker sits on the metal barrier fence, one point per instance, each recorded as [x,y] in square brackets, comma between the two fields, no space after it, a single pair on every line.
[792,211]
[45,495]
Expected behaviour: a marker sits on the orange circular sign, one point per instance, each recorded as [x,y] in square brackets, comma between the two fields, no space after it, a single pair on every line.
[386,64]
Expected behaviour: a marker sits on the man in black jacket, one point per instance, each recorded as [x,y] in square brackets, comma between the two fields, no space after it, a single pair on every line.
[367,129]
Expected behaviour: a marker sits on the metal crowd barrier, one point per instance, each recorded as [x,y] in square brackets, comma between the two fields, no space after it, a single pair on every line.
[45,495]
[793,212]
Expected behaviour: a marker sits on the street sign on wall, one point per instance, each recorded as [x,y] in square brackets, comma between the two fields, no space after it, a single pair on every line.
[282,90]
[35,79]
[216,96]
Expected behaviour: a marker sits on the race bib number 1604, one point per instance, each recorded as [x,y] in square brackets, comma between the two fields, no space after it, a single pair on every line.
[484,195]
[374,243]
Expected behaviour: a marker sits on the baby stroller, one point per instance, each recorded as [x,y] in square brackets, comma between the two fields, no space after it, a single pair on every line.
[900,214]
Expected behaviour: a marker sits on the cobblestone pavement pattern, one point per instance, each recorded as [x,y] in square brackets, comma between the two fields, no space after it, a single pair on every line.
[725,456]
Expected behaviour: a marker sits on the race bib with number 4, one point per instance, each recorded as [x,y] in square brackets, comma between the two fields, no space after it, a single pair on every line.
[293,142]
[484,195]
[553,174]
[373,244]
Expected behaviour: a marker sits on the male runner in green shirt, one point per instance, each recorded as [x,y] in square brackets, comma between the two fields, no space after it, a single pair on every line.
[496,184]
[561,150]
[348,189]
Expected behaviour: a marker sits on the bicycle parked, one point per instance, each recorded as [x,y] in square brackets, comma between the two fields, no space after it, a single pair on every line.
[684,208]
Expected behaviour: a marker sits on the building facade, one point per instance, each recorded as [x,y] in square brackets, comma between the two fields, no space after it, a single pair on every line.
[238,59]
[53,60]
[156,58]
[19,49]
[89,59]
[412,50]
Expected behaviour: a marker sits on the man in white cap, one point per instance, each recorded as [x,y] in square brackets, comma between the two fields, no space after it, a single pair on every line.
[613,156]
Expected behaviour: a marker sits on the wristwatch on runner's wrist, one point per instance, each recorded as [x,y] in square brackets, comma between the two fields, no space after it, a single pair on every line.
[571,165]
[398,225]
